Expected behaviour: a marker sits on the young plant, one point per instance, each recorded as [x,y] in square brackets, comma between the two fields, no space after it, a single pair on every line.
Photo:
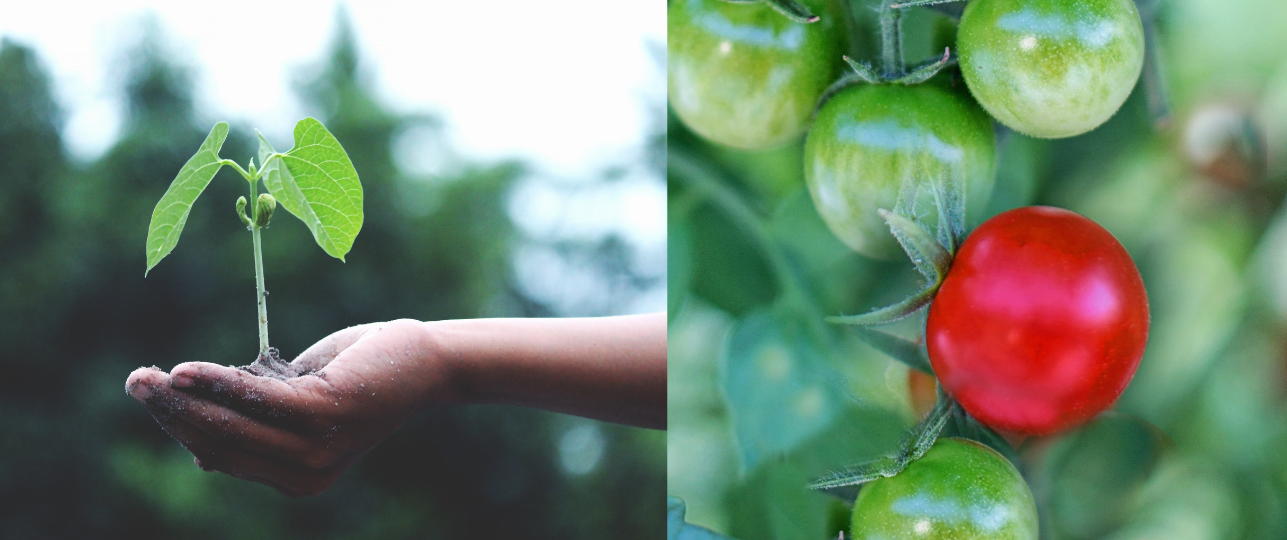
[315,181]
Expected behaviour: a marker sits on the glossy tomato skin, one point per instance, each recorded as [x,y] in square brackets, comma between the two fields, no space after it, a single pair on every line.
[870,140]
[1040,322]
[1051,68]
[958,489]
[745,76]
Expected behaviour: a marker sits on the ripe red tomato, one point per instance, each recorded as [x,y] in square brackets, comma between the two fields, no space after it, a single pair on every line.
[1040,323]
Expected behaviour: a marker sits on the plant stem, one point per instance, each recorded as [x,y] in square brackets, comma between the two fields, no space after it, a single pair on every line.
[891,40]
[262,295]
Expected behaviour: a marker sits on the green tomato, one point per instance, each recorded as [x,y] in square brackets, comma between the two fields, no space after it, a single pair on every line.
[1051,68]
[958,489]
[743,75]
[870,142]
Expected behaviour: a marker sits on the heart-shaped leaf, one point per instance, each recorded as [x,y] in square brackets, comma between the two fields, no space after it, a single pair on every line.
[317,183]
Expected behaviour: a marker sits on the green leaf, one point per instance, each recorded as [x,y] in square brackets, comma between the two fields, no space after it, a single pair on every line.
[676,529]
[727,269]
[317,183]
[265,149]
[171,212]
[778,386]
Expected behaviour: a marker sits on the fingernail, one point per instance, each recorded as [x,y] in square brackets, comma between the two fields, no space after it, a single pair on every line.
[180,381]
[141,391]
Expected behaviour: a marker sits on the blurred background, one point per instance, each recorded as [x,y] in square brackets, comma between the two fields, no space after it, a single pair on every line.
[760,403]
[512,163]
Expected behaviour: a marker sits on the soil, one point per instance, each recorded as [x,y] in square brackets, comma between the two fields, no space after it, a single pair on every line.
[272,365]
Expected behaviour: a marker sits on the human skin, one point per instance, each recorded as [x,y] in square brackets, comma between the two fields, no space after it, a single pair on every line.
[299,435]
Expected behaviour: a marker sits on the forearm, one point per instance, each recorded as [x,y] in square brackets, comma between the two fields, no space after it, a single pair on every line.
[607,368]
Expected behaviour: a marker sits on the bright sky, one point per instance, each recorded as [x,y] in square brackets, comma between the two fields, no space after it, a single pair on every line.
[565,89]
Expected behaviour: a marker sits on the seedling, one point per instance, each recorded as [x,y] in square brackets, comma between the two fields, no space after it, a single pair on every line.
[315,181]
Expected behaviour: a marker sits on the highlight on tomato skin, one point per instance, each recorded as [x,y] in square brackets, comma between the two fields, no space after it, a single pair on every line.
[745,76]
[1040,323]
[1051,68]
[958,489]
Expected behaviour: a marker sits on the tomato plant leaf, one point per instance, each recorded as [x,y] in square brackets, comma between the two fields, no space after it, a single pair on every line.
[775,381]
[171,212]
[677,529]
[317,183]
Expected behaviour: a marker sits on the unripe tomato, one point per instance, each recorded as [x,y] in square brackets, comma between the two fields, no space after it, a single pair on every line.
[1051,68]
[1040,323]
[958,489]
[743,75]
[869,140]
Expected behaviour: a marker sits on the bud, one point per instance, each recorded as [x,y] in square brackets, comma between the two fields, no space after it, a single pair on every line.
[241,210]
[264,207]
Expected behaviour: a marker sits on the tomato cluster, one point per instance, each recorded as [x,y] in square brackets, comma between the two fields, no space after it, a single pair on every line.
[1038,318]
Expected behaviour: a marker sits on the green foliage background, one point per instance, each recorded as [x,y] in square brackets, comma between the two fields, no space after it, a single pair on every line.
[80,459]
[760,403]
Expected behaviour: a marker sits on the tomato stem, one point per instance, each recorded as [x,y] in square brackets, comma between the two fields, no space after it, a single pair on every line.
[891,40]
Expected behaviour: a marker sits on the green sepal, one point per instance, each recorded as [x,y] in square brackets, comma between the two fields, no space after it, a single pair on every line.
[793,10]
[909,353]
[927,70]
[929,256]
[919,440]
[891,313]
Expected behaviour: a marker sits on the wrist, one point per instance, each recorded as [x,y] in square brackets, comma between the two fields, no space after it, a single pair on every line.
[444,347]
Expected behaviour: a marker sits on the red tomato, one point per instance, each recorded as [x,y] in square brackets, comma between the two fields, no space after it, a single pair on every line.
[1040,323]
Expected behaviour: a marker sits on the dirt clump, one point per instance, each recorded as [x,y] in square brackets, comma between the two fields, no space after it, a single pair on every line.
[272,365]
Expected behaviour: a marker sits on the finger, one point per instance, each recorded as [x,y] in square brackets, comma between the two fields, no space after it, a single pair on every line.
[233,428]
[321,353]
[140,383]
[211,455]
[270,399]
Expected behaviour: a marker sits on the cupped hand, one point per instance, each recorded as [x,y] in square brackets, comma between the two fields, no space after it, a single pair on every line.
[299,435]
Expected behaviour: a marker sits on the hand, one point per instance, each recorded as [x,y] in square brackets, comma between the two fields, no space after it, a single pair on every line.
[299,435]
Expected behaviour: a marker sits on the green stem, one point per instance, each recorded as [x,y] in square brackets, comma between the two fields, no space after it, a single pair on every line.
[891,40]
[259,274]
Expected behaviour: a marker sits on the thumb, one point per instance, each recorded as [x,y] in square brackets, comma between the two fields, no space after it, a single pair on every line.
[321,353]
